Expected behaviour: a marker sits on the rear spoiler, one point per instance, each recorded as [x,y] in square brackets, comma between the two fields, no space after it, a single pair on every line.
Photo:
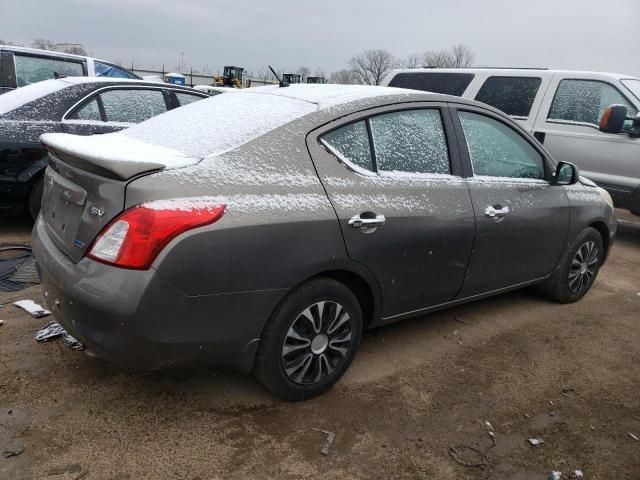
[112,155]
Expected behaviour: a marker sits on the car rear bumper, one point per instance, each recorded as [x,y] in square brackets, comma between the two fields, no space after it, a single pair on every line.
[138,319]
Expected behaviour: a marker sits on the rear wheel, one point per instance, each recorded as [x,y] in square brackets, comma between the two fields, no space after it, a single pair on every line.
[35,198]
[310,340]
[577,269]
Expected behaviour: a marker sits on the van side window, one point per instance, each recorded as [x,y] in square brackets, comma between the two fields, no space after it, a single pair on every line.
[513,95]
[436,82]
[410,141]
[31,69]
[496,150]
[584,101]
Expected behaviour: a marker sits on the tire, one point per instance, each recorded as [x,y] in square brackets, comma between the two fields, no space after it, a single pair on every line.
[577,269]
[310,340]
[35,198]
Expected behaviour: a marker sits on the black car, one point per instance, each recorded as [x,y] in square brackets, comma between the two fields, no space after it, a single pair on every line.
[79,105]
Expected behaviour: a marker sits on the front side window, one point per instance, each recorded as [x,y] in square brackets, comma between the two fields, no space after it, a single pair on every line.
[104,70]
[89,111]
[352,142]
[497,150]
[513,95]
[133,105]
[584,101]
[30,69]
[187,98]
[633,85]
[436,82]
[410,141]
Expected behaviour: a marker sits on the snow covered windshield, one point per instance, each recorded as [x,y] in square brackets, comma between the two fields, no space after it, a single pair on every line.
[218,124]
[631,84]
[21,96]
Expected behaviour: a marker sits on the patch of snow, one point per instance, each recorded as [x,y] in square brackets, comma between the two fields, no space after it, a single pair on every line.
[578,474]
[555,475]
[32,308]
[535,441]
[23,95]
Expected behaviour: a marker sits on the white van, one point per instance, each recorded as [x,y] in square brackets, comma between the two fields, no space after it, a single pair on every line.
[565,110]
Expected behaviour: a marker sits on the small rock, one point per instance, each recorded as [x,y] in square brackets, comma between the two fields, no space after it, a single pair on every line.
[551,402]
[634,436]
[535,441]
[552,413]
[527,416]
[13,449]
[2,322]
[555,475]
[9,412]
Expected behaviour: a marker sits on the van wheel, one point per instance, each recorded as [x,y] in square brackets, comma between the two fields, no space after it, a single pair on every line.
[35,198]
[578,268]
[310,340]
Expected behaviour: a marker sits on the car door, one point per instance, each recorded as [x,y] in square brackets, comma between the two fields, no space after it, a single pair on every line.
[114,109]
[521,218]
[393,178]
[569,119]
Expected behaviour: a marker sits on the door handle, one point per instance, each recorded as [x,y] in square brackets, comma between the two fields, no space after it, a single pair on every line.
[365,223]
[496,212]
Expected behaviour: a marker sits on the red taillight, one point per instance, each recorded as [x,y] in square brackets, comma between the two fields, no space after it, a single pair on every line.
[136,237]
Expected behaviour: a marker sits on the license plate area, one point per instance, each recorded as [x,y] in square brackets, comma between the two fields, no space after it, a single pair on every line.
[62,207]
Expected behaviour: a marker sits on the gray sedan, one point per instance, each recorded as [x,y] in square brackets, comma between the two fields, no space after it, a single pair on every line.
[265,230]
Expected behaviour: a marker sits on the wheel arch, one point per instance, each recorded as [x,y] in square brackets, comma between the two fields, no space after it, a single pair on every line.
[603,230]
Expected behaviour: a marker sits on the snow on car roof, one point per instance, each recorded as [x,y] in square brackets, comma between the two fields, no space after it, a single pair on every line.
[213,126]
[18,97]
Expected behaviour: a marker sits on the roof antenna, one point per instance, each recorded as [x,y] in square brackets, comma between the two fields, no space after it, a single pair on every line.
[280,82]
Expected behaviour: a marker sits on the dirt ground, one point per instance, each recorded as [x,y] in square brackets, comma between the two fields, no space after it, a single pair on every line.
[567,374]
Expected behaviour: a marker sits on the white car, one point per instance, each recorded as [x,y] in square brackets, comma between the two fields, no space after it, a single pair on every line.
[565,110]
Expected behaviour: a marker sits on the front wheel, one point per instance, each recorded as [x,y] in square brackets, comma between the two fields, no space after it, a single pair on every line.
[310,340]
[578,268]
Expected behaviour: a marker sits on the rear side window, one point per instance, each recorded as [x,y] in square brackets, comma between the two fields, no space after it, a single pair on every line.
[584,101]
[436,82]
[496,150]
[187,98]
[352,142]
[410,141]
[31,69]
[513,95]
[90,111]
[132,106]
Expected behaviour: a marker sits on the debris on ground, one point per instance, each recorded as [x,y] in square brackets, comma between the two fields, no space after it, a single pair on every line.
[328,441]
[13,449]
[72,468]
[551,402]
[554,475]
[484,463]
[2,322]
[535,441]
[31,307]
[567,392]
[458,319]
[489,426]
[54,330]
[577,474]
[634,436]
[19,271]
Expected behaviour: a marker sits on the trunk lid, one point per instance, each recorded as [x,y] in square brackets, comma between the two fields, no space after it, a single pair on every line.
[83,192]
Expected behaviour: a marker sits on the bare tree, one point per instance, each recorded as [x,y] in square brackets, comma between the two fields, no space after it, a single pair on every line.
[77,50]
[413,61]
[344,77]
[457,57]
[304,72]
[42,44]
[320,73]
[370,67]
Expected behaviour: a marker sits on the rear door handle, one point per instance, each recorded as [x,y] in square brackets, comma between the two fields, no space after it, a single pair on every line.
[496,212]
[364,223]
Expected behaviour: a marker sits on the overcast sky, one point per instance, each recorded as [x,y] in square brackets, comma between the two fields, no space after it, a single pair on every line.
[324,34]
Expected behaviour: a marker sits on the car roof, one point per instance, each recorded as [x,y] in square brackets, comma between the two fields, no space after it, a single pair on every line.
[507,71]
[53,53]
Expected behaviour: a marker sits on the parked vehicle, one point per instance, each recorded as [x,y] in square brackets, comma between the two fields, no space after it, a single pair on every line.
[293,218]
[563,109]
[82,106]
[21,66]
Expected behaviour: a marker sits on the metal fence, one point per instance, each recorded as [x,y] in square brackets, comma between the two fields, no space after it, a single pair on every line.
[192,78]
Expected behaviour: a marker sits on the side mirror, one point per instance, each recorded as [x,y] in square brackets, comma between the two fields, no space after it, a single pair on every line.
[566,174]
[613,119]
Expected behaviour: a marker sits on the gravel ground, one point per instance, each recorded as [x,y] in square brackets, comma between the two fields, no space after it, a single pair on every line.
[567,374]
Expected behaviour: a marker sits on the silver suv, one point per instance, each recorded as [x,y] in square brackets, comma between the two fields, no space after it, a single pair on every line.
[564,111]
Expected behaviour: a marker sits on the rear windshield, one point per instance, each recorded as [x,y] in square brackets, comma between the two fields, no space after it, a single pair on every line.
[513,95]
[219,123]
[21,96]
[436,82]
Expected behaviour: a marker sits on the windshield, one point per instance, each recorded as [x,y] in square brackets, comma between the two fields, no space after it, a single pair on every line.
[633,85]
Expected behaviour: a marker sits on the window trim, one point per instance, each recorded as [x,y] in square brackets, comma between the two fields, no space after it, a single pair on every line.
[446,127]
[547,163]
[576,123]
[87,98]
[518,117]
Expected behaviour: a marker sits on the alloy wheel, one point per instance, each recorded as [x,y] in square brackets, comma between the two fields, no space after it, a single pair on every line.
[317,341]
[583,267]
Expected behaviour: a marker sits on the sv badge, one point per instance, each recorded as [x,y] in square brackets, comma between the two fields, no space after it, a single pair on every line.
[98,212]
